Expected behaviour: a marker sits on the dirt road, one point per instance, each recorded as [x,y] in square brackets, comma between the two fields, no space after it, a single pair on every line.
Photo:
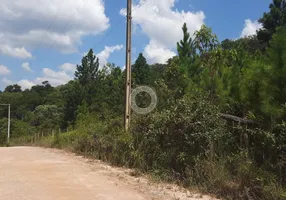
[30,173]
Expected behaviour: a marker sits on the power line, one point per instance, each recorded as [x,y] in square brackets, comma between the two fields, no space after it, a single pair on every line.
[111,30]
[79,5]
[106,35]
[50,25]
[69,19]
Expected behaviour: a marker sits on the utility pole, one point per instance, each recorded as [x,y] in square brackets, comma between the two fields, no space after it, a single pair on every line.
[127,116]
[8,137]
[8,130]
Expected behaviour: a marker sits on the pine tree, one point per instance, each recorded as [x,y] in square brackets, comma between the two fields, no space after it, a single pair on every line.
[276,88]
[87,72]
[275,18]
[141,71]
[185,46]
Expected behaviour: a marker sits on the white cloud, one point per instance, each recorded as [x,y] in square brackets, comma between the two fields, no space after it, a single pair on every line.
[26,67]
[25,84]
[7,81]
[26,24]
[68,67]
[14,52]
[105,54]
[163,25]
[4,70]
[55,78]
[157,54]
[250,28]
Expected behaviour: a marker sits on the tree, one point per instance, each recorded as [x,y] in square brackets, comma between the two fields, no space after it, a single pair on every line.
[13,88]
[111,82]
[141,71]
[82,112]
[207,46]
[74,93]
[205,41]
[249,44]
[275,18]
[275,96]
[252,87]
[185,46]
[87,72]
[46,118]
[156,71]
[176,78]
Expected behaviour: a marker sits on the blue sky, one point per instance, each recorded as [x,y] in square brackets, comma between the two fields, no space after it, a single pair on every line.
[44,40]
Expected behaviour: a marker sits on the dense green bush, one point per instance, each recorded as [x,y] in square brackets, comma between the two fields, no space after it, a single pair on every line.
[176,136]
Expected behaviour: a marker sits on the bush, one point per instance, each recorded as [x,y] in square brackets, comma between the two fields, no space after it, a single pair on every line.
[176,137]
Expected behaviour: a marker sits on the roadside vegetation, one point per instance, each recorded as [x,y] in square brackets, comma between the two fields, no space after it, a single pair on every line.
[219,124]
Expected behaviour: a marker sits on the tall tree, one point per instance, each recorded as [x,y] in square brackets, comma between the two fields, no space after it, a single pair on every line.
[141,71]
[273,19]
[185,46]
[276,92]
[87,72]
[205,40]
[207,45]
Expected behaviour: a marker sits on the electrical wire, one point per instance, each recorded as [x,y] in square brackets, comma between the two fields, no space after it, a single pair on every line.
[50,25]
[69,21]
[107,34]
[111,30]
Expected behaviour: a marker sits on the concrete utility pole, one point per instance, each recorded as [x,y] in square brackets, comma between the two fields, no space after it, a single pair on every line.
[8,134]
[8,130]
[127,116]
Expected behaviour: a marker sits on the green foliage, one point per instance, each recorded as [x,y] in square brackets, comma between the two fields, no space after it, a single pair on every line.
[276,88]
[13,88]
[141,71]
[272,20]
[250,44]
[205,40]
[187,125]
[19,128]
[74,94]
[185,47]
[46,116]
[87,72]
